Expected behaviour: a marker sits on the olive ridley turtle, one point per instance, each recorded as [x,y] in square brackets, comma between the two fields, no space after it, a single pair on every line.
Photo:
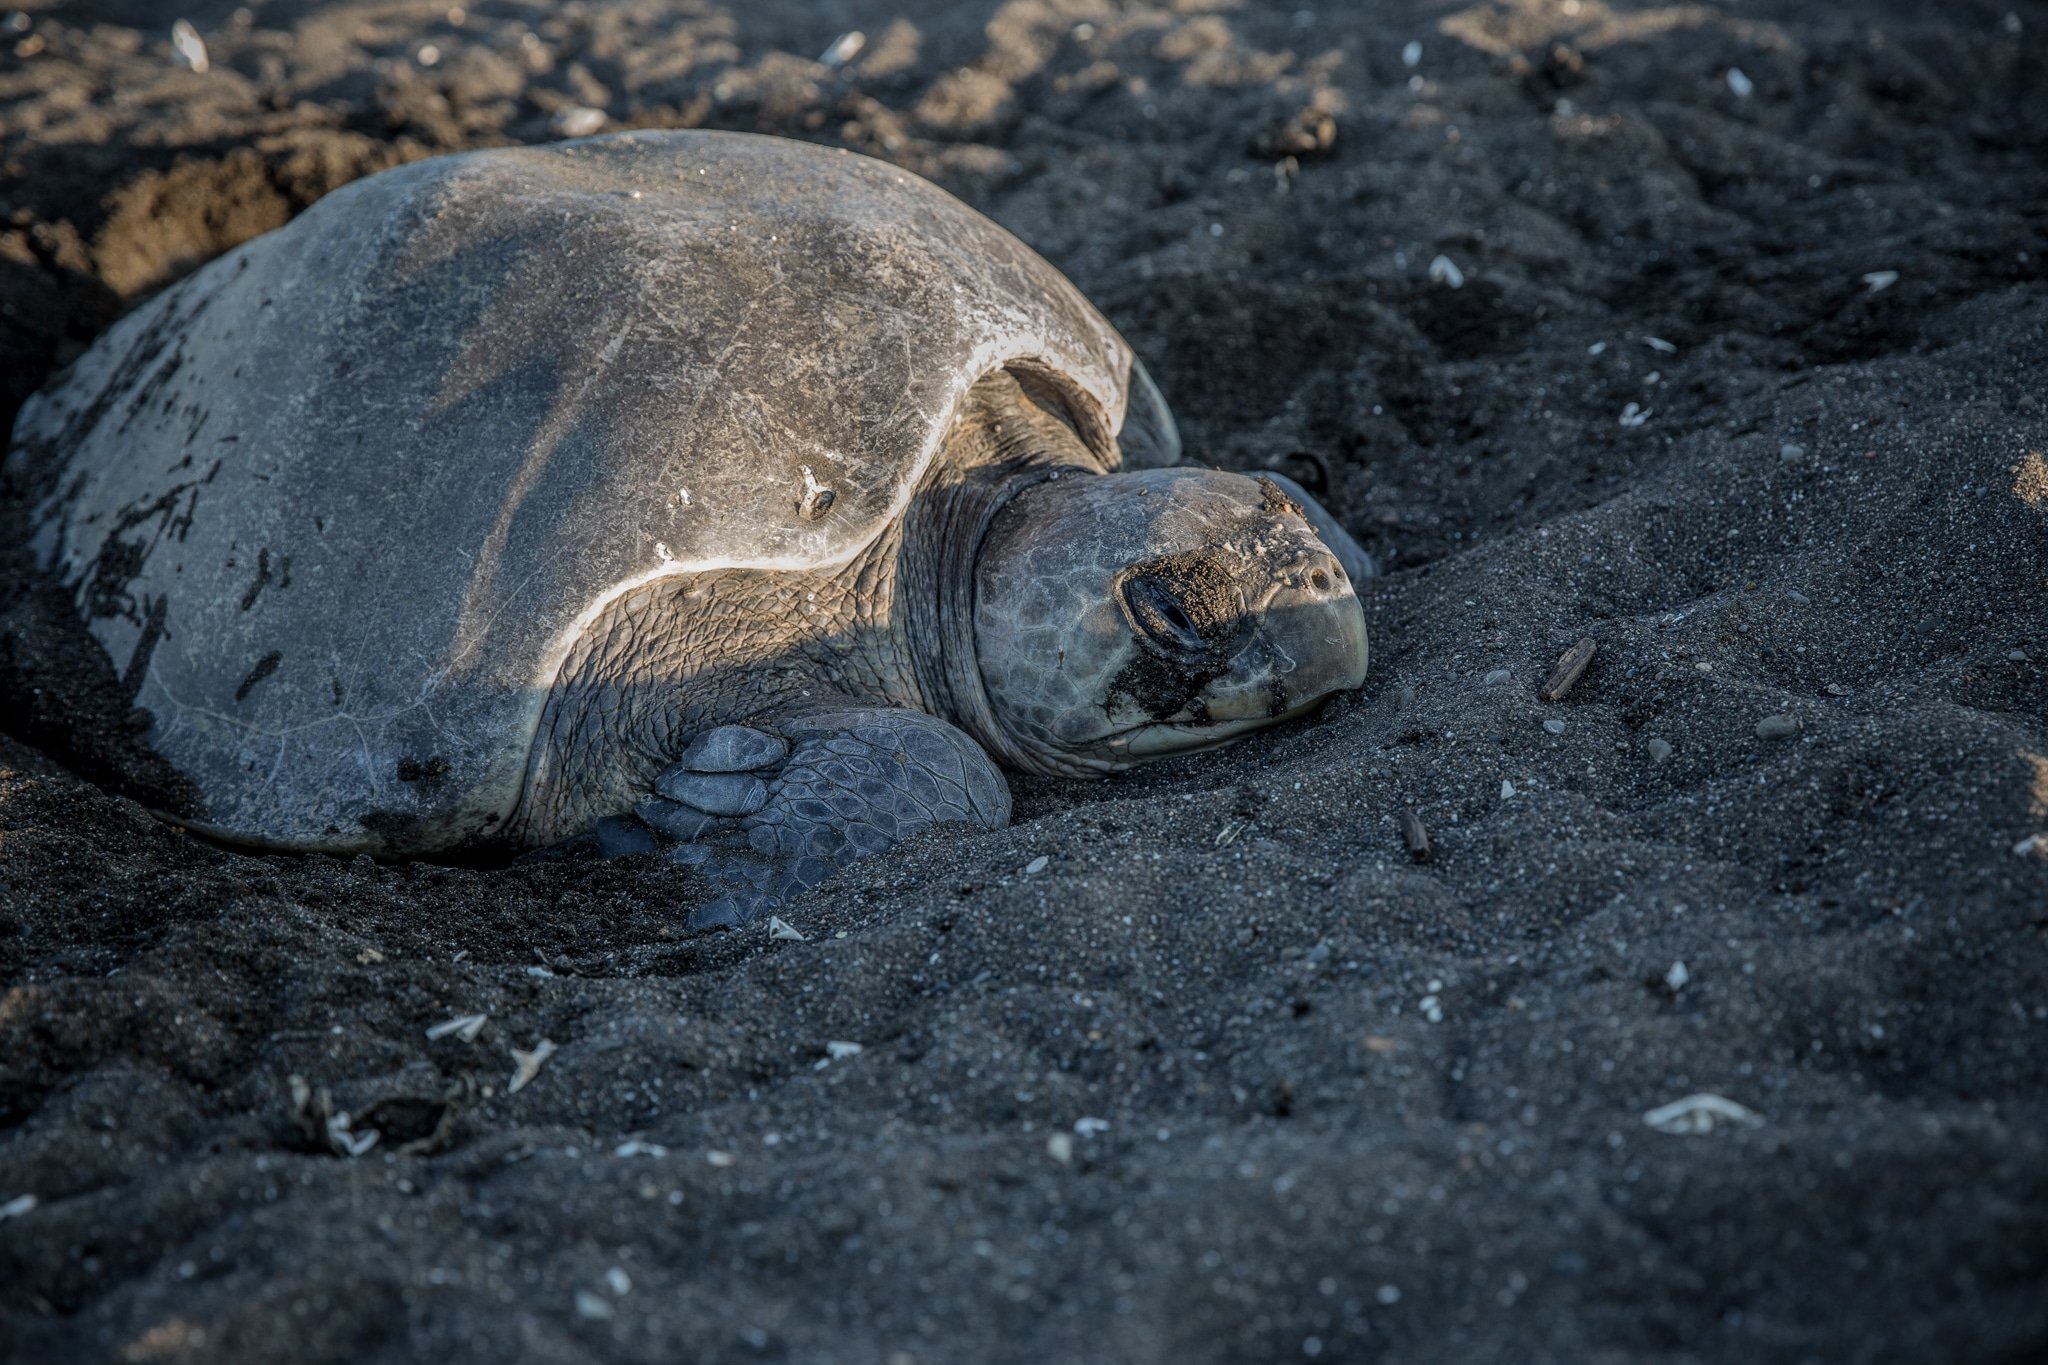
[715,494]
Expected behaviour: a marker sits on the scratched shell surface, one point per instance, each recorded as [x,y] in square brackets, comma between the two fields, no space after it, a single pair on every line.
[337,504]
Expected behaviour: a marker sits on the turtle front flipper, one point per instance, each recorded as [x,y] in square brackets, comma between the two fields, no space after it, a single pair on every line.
[769,816]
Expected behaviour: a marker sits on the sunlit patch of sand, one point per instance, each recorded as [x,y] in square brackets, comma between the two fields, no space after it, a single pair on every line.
[2030,480]
[1506,27]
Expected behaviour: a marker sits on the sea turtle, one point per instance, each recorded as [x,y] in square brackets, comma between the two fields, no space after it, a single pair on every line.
[730,497]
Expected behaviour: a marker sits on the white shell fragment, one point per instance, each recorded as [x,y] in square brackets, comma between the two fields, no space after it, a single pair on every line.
[1445,271]
[1701,1113]
[1087,1127]
[1037,865]
[464,1026]
[1635,414]
[635,1147]
[190,47]
[839,1051]
[1675,980]
[16,1207]
[346,1141]
[778,927]
[1411,55]
[1740,83]
[527,1065]
[1060,1147]
[1661,346]
[844,49]
[1877,281]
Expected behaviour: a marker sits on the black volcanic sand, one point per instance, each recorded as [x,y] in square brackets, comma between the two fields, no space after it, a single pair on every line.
[1353,1107]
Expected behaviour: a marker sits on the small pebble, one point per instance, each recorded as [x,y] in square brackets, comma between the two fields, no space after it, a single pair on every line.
[633,1147]
[1554,726]
[1791,450]
[1797,597]
[1659,750]
[1783,725]
[578,120]
[1837,690]
[1739,83]
[1496,678]
[1036,865]
[589,1305]
[2018,656]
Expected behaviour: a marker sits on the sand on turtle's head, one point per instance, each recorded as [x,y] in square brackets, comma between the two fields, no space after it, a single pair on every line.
[1125,616]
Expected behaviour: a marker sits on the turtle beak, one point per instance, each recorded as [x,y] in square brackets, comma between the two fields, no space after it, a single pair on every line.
[1307,641]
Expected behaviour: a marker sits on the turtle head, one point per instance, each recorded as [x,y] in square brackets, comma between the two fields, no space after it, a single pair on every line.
[1120,617]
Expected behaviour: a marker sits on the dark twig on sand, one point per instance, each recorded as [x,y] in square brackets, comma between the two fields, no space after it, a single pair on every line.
[1415,836]
[1569,670]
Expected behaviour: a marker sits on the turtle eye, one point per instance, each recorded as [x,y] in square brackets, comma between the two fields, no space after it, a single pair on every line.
[1156,610]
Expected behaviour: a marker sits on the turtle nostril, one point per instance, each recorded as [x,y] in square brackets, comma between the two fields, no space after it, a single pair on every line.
[1319,580]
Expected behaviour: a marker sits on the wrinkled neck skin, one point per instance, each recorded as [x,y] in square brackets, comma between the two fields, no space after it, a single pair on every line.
[1014,436]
